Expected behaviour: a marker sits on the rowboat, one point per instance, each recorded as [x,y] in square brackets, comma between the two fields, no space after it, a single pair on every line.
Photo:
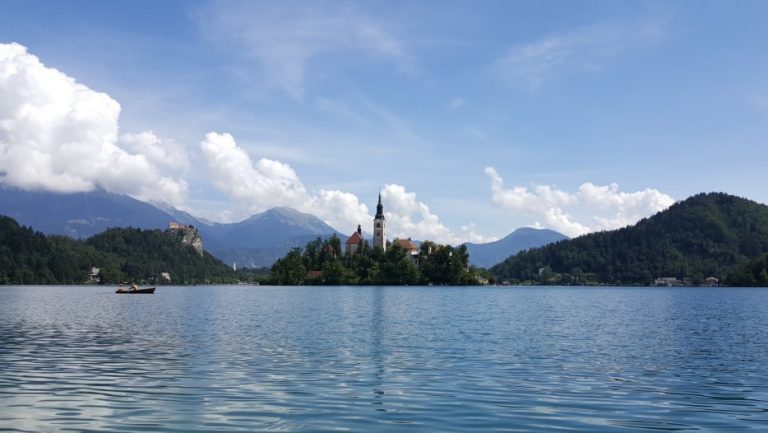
[134,289]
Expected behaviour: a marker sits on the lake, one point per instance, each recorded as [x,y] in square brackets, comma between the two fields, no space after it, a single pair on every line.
[383,359]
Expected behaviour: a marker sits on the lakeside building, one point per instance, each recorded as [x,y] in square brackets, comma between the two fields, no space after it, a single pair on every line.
[354,241]
[672,282]
[410,248]
[379,234]
[95,276]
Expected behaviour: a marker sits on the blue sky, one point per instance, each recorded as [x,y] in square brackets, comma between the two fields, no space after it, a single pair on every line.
[471,118]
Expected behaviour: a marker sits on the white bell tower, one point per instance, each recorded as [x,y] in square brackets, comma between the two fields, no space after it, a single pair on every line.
[378,227]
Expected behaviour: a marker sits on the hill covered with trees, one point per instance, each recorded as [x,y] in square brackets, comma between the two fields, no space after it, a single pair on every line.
[324,262]
[706,235]
[753,273]
[121,254]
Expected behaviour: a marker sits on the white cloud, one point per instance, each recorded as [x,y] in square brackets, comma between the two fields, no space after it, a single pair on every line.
[267,183]
[59,135]
[340,209]
[598,207]
[286,37]
[162,152]
[469,234]
[585,49]
[409,218]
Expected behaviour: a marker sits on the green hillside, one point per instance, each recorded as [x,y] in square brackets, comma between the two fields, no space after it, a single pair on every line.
[29,257]
[752,273]
[148,253]
[705,235]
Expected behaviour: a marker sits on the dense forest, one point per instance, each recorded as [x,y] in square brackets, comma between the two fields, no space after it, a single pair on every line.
[324,262]
[120,254]
[753,273]
[706,235]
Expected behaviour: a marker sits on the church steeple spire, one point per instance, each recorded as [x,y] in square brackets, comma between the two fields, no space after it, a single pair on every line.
[378,227]
[379,209]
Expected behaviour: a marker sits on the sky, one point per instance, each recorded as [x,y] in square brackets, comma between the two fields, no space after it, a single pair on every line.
[471,119]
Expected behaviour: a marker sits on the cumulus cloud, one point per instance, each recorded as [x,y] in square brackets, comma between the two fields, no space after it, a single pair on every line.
[285,37]
[163,152]
[267,183]
[597,207]
[470,234]
[408,217]
[59,135]
[339,209]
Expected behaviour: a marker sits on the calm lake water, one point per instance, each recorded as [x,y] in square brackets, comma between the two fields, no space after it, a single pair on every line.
[371,359]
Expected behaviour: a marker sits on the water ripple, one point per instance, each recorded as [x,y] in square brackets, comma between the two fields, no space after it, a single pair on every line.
[200,359]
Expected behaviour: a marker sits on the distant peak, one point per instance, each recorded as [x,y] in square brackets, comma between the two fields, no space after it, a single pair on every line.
[529,230]
[526,230]
[285,210]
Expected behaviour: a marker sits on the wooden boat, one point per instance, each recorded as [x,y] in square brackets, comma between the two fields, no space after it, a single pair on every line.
[135,290]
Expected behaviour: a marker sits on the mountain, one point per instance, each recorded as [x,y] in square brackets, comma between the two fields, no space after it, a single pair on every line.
[120,254]
[271,227]
[705,235]
[265,237]
[488,254]
[79,215]
[256,242]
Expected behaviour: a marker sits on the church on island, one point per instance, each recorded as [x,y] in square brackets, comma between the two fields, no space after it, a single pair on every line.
[379,236]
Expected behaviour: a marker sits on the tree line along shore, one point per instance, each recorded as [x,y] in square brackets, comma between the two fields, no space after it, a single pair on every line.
[707,237]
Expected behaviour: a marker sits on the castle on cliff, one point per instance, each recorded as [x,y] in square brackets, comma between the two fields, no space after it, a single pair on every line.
[188,235]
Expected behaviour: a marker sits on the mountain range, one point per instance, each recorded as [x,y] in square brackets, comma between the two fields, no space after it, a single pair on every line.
[488,254]
[255,242]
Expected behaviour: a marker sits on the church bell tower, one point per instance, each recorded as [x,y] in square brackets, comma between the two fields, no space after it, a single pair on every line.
[378,227]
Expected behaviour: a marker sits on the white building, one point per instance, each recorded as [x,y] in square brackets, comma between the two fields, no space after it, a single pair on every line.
[379,224]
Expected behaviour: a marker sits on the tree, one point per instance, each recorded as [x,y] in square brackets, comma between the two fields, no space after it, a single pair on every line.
[397,268]
[27,257]
[289,270]
[705,235]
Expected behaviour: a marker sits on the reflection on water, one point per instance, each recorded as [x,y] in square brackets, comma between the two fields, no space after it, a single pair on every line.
[383,359]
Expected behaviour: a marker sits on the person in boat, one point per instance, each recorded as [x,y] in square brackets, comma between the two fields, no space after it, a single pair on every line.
[134,287]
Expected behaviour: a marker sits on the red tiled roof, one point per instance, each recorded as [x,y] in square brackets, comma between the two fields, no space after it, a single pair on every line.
[355,239]
[406,244]
[314,274]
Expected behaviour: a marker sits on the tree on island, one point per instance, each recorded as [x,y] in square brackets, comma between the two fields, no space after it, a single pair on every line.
[322,262]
